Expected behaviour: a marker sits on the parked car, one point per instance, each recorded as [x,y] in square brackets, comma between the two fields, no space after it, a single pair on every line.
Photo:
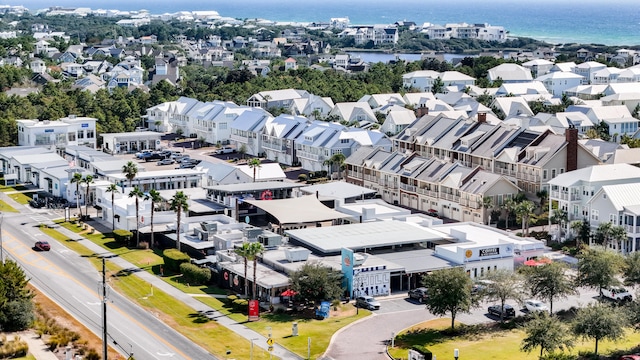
[617,294]
[367,302]
[143,153]
[419,294]
[225,150]
[153,156]
[181,158]
[535,305]
[42,246]
[507,312]
[480,285]
[165,162]
[186,165]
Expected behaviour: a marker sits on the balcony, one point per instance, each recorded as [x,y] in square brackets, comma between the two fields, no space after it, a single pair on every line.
[450,197]
[373,178]
[632,229]
[276,147]
[562,195]
[505,172]
[202,128]
[310,156]
[528,177]
[406,187]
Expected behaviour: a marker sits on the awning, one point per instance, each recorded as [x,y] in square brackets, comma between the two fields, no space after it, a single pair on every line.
[304,209]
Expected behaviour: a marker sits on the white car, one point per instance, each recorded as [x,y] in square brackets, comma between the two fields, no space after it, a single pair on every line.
[535,305]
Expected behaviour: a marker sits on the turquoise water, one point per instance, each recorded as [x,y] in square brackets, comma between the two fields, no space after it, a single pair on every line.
[582,21]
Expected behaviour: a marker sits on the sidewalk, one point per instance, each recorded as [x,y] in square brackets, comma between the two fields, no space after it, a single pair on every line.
[189,300]
[37,347]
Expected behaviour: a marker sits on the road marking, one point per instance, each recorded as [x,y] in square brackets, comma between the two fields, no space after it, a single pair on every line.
[165,354]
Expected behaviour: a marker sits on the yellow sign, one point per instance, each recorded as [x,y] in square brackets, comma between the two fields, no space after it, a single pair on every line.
[269,341]
[468,253]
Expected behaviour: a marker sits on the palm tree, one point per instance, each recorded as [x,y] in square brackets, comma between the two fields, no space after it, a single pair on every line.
[113,189]
[254,164]
[87,180]
[338,159]
[179,203]
[155,198]
[509,206]
[618,234]
[487,203]
[77,179]
[255,249]
[603,233]
[525,210]
[130,170]
[138,194]
[244,251]
[559,216]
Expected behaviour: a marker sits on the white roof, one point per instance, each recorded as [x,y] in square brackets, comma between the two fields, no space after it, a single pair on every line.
[482,235]
[623,195]
[597,173]
[337,190]
[304,209]
[271,171]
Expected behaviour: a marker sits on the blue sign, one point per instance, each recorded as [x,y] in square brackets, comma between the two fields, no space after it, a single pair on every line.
[48,130]
[85,125]
[347,268]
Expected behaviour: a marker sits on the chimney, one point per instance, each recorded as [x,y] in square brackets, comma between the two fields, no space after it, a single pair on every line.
[571,135]
[421,111]
[482,117]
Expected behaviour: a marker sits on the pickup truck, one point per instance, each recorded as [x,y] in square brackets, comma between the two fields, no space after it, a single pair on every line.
[617,294]
[225,150]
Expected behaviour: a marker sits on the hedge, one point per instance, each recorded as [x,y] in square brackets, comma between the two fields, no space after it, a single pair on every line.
[13,348]
[194,274]
[423,351]
[173,258]
[122,235]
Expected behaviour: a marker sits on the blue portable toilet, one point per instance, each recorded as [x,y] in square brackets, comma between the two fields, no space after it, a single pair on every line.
[322,312]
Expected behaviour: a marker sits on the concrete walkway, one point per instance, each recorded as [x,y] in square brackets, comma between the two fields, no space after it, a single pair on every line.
[37,346]
[189,300]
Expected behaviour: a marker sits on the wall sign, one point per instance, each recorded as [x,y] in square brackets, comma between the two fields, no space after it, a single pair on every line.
[85,125]
[489,252]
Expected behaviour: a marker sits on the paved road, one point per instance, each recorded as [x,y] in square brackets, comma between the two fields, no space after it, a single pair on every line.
[73,283]
[367,339]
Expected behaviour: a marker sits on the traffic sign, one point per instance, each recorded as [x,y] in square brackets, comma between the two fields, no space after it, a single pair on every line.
[270,341]
[270,348]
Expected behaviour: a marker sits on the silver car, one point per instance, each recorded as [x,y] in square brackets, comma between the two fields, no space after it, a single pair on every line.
[367,302]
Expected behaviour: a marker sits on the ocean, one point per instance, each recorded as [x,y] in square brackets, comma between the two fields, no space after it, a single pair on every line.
[614,22]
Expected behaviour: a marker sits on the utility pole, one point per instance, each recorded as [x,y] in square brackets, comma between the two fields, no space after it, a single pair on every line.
[1,246]
[104,310]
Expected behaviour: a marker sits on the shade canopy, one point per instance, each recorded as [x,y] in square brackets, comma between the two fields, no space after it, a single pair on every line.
[288,292]
[304,209]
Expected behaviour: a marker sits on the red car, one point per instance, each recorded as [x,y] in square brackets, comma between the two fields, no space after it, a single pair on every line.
[630,357]
[42,246]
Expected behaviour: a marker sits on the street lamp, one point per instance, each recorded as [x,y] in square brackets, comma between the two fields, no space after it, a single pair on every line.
[251,353]
[456,354]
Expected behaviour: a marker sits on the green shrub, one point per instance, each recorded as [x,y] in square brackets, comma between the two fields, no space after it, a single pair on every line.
[92,355]
[231,298]
[121,235]
[302,177]
[173,258]
[317,180]
[423,351]
[241,305]
[194,274]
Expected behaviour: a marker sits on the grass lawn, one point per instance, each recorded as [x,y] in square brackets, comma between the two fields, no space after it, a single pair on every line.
[208,334]
[6,207]
[320,331]
[485,345]
[28,357]
[21,198]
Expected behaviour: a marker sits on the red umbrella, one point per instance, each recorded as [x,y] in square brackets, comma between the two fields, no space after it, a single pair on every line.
[532,262]
[288,292]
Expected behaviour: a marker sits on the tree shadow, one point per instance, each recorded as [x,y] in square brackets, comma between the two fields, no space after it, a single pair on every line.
[127,272]
[199,318]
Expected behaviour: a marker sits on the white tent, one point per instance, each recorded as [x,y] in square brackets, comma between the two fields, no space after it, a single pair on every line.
[304,209]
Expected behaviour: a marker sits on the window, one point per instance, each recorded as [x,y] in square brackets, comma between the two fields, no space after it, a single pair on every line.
[595,215]
[544,174]
[561,170]
[80,134]
[72,136]
[612,218]
[90,134]
[553,173]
